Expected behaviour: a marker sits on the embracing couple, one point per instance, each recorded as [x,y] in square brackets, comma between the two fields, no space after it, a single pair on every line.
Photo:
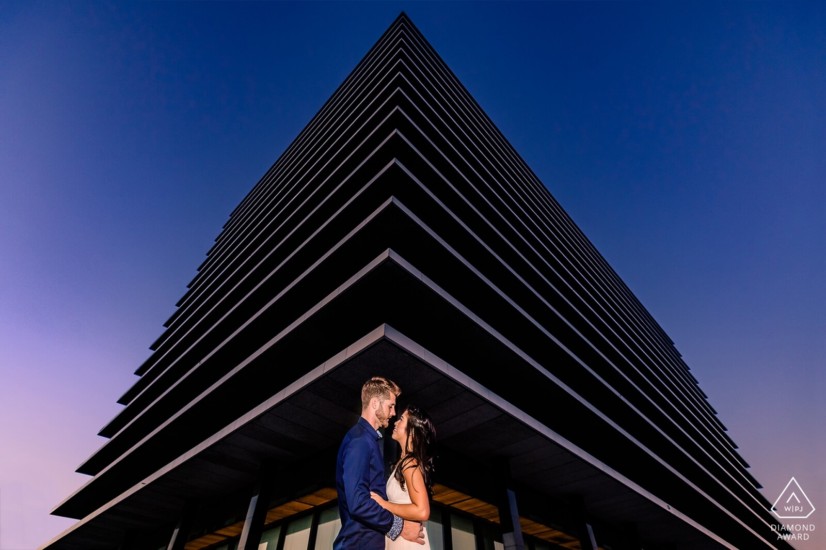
[375,515]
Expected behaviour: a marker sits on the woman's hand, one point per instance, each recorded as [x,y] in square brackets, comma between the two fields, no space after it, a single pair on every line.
[377,497]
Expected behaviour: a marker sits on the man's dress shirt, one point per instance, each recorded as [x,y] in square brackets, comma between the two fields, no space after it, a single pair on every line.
[359,470]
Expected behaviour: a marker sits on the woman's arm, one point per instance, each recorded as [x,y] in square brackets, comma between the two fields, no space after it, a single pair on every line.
[419,508]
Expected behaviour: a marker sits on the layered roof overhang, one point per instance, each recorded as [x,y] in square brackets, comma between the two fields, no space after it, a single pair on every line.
[297,424]
[401,234]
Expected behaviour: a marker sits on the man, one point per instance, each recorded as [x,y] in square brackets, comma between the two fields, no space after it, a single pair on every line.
[360,469]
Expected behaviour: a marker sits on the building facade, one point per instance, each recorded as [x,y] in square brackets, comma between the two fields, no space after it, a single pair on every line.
[401,235]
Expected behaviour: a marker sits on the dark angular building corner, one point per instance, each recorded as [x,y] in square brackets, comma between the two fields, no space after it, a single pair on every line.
[401,235]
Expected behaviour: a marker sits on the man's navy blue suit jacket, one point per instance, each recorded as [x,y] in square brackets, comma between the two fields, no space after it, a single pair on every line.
[359,470]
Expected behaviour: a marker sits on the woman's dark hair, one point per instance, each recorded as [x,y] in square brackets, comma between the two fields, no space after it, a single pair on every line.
[421,440]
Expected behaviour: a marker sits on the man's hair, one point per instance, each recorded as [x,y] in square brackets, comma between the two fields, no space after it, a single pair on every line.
[380,387]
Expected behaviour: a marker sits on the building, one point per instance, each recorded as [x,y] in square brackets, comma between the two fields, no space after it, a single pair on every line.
[400,234]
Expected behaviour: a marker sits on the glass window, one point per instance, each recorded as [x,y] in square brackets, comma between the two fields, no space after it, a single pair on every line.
[269,539]
[435,530]
[298,534]
[461,532]
[329,524]
[491,537]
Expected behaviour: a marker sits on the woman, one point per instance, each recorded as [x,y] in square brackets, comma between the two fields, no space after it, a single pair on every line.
[409,486]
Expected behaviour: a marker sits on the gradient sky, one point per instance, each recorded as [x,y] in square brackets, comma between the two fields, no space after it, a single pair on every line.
[687,140]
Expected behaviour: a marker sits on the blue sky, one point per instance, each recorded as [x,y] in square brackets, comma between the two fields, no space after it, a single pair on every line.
[686,139]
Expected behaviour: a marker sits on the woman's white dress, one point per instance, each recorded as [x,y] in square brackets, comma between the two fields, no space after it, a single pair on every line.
[395,493]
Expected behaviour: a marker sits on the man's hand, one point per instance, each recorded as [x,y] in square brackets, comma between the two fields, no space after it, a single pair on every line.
[413,531]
